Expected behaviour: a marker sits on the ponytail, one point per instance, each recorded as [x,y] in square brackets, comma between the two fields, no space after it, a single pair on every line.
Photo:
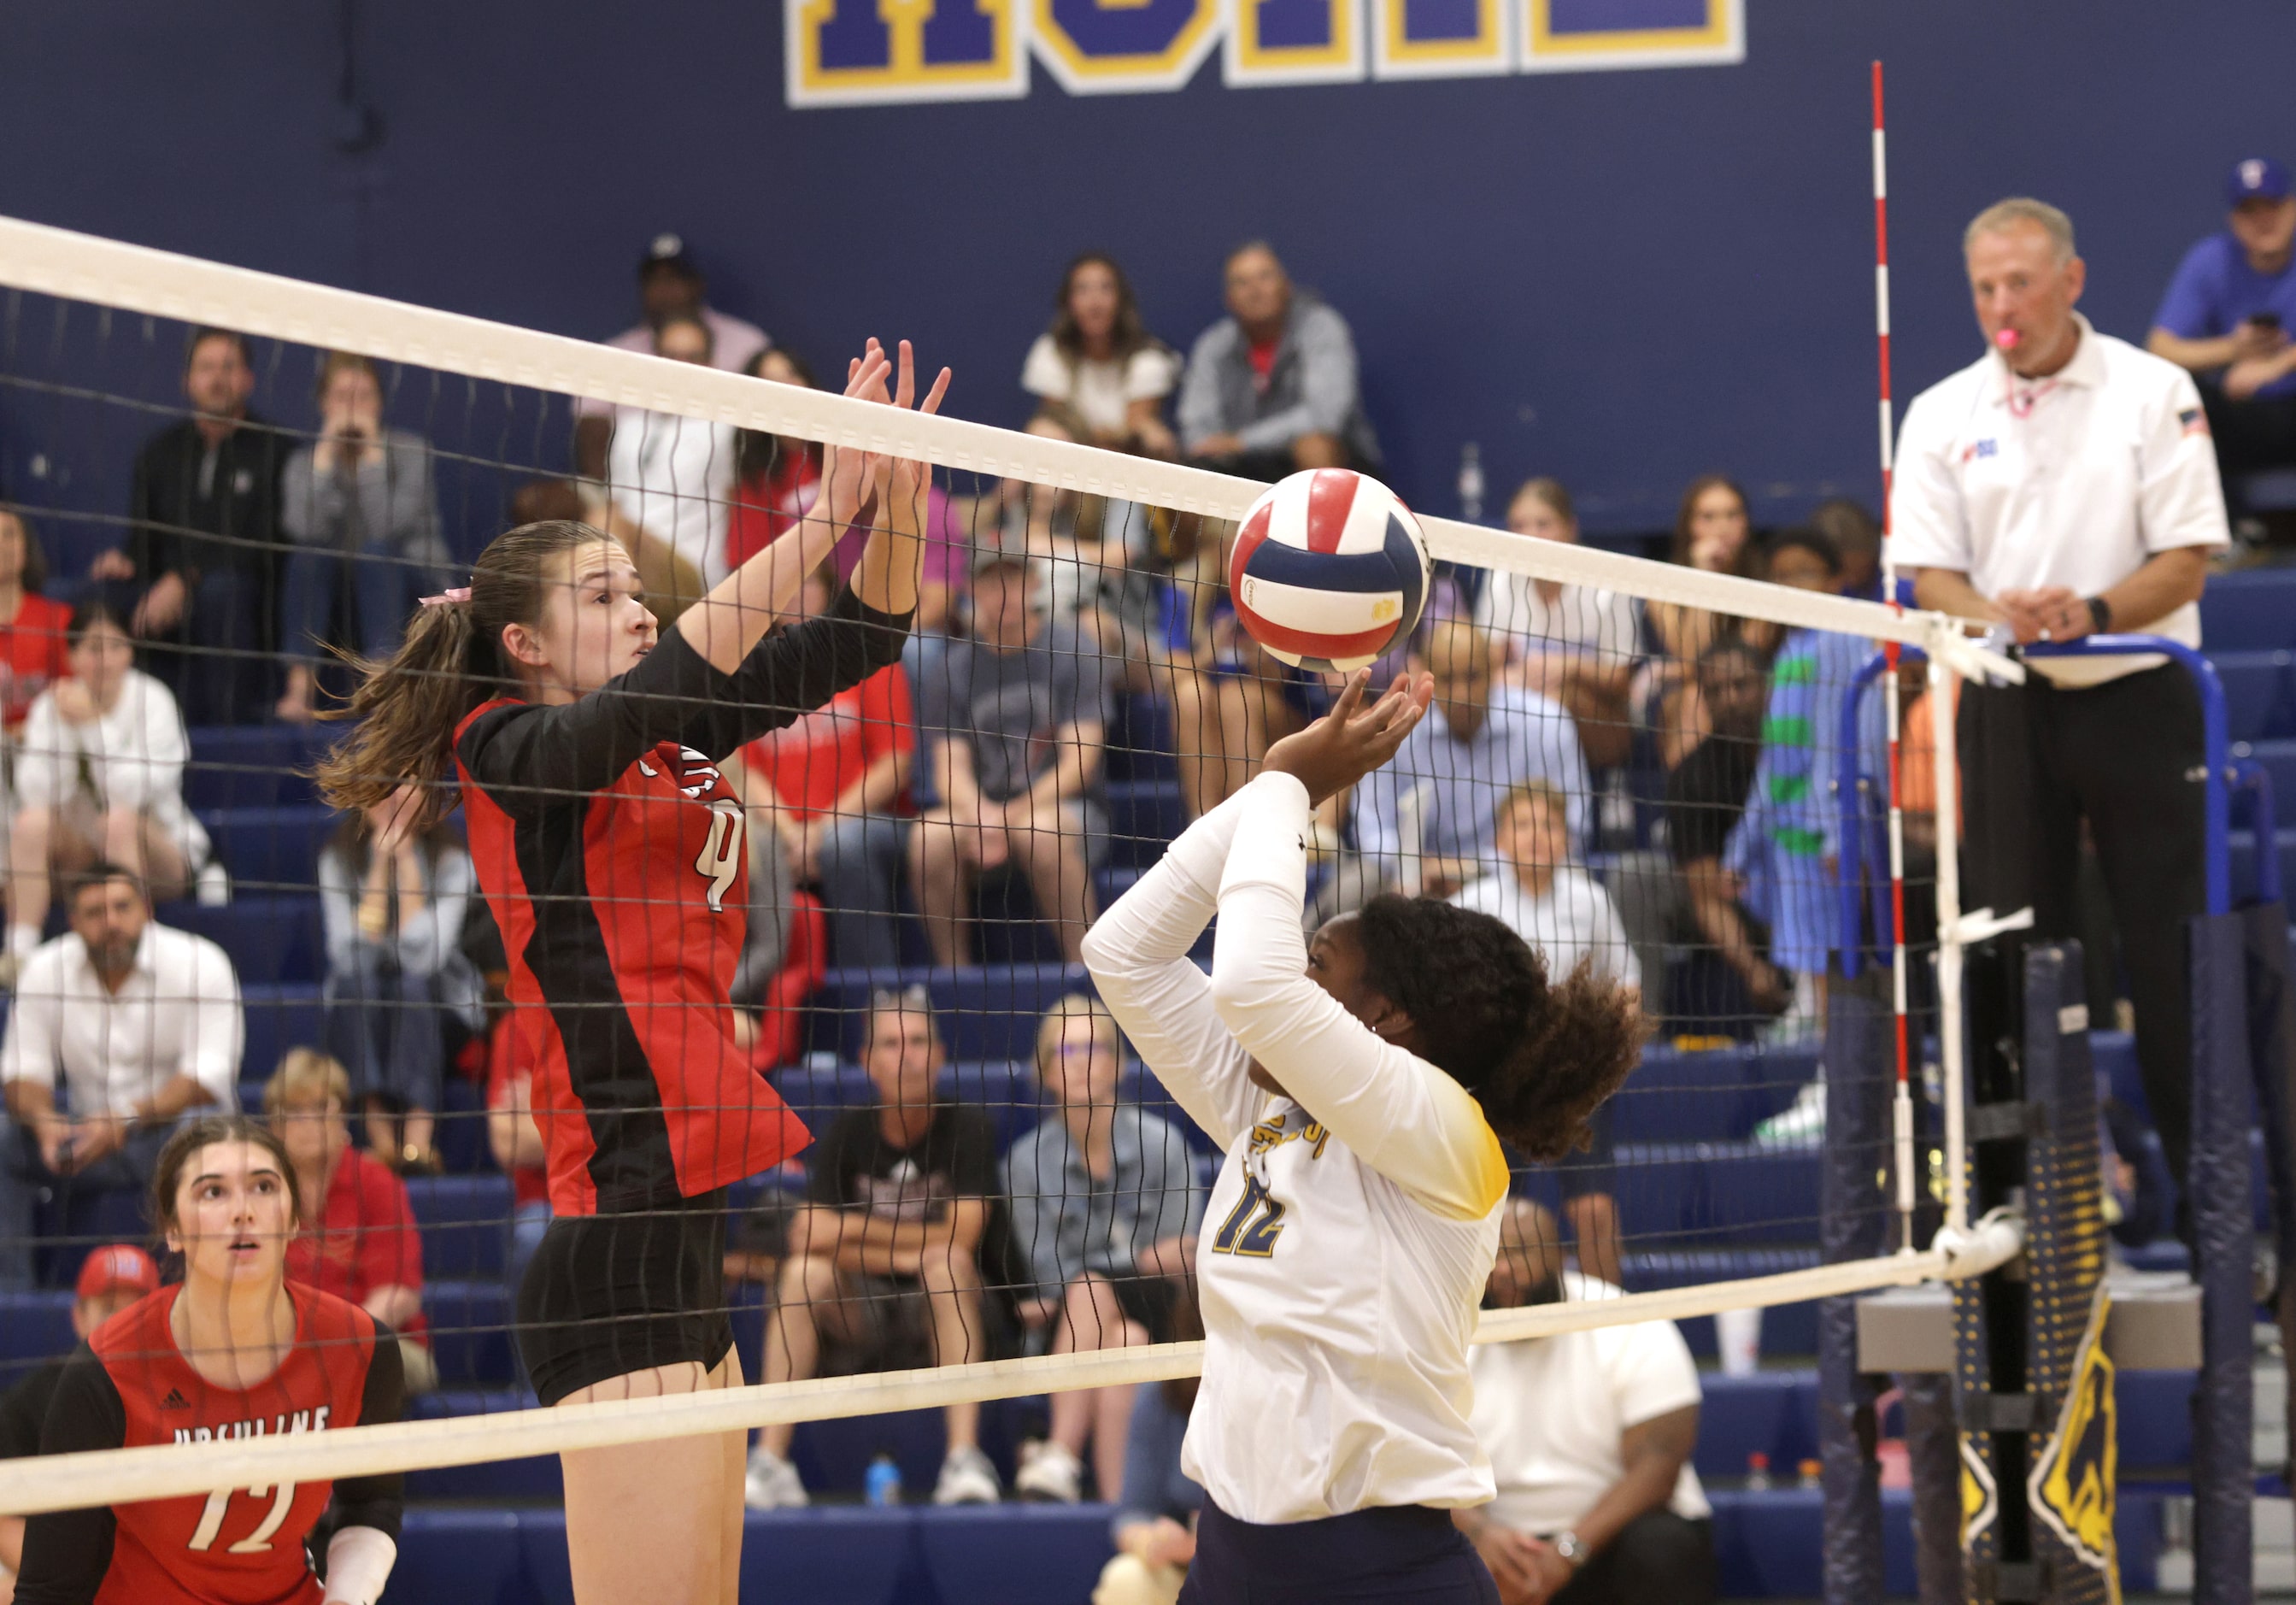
[409,707]
[1540,1057]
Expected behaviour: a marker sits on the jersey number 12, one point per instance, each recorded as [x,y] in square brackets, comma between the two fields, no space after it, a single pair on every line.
[1252,1226]
[256,1543]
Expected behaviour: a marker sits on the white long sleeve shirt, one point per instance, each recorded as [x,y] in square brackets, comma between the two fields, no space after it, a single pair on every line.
[1354,1222]
[131,757]
[176,1014]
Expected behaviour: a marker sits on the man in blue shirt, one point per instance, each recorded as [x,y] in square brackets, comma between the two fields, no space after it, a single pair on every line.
[2227,316]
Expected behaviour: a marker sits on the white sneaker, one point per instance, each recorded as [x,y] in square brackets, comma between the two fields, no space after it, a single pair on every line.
[1800,1124]
[1049,1474]
[772,1483]
[966,1478]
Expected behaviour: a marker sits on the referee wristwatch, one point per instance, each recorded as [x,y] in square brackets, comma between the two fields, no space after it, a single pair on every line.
[2100,615]
[1567,1546]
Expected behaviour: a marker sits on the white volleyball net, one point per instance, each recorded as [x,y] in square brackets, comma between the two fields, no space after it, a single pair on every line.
[231,480]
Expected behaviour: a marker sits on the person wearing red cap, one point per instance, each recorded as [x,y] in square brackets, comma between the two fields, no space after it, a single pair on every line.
[112,1277]
[2227,316]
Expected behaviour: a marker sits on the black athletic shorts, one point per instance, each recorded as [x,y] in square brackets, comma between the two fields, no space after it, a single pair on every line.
[1391,1554]
[608,1295]
[1146,1299]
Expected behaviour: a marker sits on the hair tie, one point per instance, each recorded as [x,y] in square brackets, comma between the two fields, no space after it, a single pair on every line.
[453,593]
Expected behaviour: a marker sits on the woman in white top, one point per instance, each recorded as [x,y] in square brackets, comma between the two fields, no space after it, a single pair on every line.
[1360,1086]
[1099,360]
[1574,644]
[100,776]
[675,475]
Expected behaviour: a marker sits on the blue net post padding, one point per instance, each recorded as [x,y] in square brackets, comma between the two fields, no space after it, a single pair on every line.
[1853,1223]
[2224,1474]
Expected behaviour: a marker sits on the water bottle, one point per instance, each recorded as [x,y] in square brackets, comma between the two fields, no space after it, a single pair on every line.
[1471,482]
[1812,1473]
[882,1486]
[1757,1472]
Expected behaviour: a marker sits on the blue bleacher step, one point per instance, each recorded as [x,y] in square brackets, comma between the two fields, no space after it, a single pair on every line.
[2250,611]
[2259,690]
[269,939]
[268,849]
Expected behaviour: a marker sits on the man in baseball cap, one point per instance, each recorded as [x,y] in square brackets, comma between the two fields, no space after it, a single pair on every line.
[112,1277]
[2227,316]
[669,285]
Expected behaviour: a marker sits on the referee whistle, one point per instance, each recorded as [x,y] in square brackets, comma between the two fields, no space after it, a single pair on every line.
[2008,340]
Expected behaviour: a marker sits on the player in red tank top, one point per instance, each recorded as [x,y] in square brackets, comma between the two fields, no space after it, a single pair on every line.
[585,744]
[230,1353]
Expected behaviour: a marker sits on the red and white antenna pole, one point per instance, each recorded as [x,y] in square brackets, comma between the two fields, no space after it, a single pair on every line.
[1902,1105]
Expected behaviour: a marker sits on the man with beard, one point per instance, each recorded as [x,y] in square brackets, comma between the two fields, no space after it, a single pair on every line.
[143,1023]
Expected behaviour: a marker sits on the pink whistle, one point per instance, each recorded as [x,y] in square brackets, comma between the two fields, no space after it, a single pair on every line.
[2008,340]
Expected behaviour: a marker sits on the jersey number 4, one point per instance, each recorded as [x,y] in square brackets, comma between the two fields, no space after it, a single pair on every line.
[256,1543]
[720,859]
[1252,1226]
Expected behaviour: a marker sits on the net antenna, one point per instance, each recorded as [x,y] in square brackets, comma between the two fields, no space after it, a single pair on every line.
[1901,1106]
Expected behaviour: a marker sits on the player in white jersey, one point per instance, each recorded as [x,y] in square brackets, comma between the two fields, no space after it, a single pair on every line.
[1360,1086]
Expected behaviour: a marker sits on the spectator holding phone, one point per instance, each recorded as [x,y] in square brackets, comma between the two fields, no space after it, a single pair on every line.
[2226,318]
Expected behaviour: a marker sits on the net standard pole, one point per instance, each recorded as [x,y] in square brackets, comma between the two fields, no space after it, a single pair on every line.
[1901,1109]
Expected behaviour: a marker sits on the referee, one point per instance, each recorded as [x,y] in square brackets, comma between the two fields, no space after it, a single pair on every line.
[2061,484]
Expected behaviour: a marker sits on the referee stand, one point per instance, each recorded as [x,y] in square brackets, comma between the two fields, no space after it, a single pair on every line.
[2008,1382]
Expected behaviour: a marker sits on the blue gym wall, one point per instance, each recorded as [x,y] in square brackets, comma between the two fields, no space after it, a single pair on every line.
[1622,278]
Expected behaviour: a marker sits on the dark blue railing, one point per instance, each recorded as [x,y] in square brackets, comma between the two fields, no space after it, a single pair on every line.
[2225,777]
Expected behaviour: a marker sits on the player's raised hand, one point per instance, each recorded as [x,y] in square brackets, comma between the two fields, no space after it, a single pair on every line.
[902,478]
[1353,739]
[848,473]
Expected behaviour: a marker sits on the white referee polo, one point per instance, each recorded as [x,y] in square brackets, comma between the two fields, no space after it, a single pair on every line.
[2074,480]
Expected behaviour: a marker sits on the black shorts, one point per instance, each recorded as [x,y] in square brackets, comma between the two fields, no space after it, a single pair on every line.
[608,1295]
[1399,1554]
[1146,1299]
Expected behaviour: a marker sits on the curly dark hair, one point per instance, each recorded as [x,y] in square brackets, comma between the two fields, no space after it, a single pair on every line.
[1540,1056]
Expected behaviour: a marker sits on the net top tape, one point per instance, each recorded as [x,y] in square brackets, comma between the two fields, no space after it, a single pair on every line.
[159,284]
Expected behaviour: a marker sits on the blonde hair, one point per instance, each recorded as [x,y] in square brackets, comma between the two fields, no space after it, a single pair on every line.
[1066,1007]
[306,1076]
[2023,209]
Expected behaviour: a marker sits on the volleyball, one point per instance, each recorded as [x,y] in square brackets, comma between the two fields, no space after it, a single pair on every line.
[1330,570]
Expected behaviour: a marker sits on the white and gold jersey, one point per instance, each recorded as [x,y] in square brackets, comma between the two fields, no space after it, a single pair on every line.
[1354,1222]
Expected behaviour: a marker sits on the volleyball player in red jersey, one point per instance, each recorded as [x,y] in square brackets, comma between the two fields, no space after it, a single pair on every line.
[612,853]
[230,1352]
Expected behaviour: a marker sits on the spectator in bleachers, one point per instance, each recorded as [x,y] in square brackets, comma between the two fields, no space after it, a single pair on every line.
[197,578]
[143,1023]
[669,285]
[1541,893]
[1229,697]
[361,506]
[2227,315]
[2063,484]
[1782,848]
[515,1141]
[1012,718]
[1729,974]
[673,476]
[113,1276]
[1433,812]
[1104,1216]
[100,775]
[1590,1436]
[1154,1525]
[359,1241]
[776,478]
[32,627]
[1099,360]
[393,905]
[828,796]
[901,1209]
[1714,534]
[1272,388]
[1575,644]
[1857,534]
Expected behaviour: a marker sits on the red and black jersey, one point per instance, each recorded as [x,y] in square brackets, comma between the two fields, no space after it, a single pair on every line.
[614,856]
[129,1386]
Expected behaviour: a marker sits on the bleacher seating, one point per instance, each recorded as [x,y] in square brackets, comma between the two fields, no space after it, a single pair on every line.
[2250,611]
